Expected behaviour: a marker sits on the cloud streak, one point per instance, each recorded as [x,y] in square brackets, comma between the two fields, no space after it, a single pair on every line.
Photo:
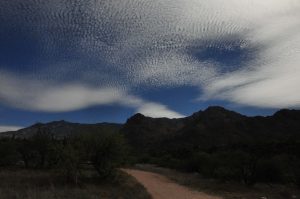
[111,47]
[42,96]
[272,79]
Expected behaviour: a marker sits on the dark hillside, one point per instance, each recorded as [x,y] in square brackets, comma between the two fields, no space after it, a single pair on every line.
[223,144]
[61,129]
[214,127]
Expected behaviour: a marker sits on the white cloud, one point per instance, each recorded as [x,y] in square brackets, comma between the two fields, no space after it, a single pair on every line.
[157,110]
[151,109]
[273,79]
[145,44]
[9,128]
[257,89]
[42,96]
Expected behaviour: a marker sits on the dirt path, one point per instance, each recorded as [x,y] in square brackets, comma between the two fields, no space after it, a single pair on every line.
[161,187]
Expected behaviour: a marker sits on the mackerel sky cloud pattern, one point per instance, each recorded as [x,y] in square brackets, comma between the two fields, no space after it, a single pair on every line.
[243,52]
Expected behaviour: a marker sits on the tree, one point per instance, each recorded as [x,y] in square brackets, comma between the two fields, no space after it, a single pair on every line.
[28,155]
[108,153]
[70,158]
[8,152]
[41,142]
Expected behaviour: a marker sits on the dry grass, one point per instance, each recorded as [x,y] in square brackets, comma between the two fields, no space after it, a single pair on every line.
[29,184]
[226,190]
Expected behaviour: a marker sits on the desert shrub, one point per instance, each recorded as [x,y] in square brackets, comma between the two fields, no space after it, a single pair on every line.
[224,165]
[268,170]
[34,151]
[53,154]
[8,153]
[40,144]
[297,174]
[28,154]
[236,165]
[201,162]
[167,160]
[108,153]
[69,161]
[295,170]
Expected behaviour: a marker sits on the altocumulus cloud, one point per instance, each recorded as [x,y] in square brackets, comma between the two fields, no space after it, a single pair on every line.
[112,49]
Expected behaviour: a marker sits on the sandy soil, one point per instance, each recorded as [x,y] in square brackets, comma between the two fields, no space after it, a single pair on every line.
[161,187]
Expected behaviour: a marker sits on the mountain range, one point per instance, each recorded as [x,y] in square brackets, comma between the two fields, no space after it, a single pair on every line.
[61,129]
[213,127]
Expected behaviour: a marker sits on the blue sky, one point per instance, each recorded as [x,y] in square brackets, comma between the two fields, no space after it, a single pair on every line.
[94,61]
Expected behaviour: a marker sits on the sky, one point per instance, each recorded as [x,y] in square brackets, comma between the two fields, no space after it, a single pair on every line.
[92,61]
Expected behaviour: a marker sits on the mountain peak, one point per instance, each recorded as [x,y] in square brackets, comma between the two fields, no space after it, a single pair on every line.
[219,109]
[136,118]
[138,115]
[215,109]
[60,122]
[286,113]
[219,113]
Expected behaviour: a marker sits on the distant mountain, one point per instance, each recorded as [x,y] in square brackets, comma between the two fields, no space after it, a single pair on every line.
[60,129]
[213,127]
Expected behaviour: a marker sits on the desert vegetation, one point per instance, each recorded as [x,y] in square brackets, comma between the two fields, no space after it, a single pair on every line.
[228,190]
[83,166]
[43,184]
[244,165]
[217,145]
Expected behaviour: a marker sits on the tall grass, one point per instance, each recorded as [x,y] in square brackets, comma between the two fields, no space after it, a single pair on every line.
[32,184]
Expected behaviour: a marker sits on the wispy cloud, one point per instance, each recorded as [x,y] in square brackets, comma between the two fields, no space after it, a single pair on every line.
[112,47]
[158,110]
[273,77]
[46,97]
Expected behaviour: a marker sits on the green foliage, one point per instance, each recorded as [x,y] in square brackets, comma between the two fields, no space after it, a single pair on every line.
[70,159]
[269,170]
[294,165]
[103,150]
[40,143]
[35,151]
[229,165]
[167,160]
[201,162]
[108,153]
[238,164]
[8,153]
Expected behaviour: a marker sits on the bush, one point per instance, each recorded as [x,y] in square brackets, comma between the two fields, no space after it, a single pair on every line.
[108,153]
[69,162]
[35,151]
[236,165]
[8,153]
[229,165]
[268,170]
[295,169]
[40,144]
[201,162]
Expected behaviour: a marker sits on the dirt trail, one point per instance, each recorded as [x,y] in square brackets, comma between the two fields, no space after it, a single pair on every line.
[161,187]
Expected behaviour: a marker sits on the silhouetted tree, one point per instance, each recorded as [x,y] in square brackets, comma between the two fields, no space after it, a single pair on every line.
[108,153]
[8,152]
